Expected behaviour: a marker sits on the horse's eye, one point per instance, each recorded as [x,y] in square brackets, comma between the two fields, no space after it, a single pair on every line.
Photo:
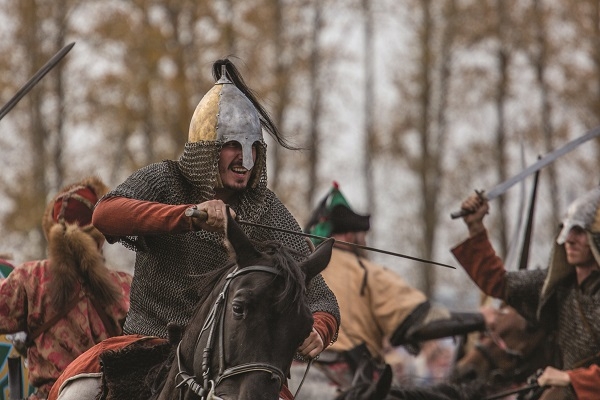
[238,310]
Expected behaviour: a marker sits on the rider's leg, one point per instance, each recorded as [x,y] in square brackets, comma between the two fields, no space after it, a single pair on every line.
[84,387]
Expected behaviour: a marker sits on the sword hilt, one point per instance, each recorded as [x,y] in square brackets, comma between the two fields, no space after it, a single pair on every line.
[195,213]
[462,212]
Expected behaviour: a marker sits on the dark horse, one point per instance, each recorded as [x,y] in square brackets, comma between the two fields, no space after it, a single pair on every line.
[241,340]
[364,388]
[507,355]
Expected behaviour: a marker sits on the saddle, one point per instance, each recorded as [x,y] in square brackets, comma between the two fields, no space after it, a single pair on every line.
[135,371]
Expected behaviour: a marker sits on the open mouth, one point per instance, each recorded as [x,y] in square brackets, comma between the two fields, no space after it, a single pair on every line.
[238,169]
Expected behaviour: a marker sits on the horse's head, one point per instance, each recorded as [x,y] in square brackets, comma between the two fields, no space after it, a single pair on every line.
[507,353]
[243,339]
[364,387]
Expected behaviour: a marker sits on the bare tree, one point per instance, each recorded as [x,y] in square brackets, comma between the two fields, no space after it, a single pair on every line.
[369,103]
[540,59]
[428,91]
[41,128]
[316,103]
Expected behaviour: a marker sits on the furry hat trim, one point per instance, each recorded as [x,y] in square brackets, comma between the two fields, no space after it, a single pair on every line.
[74,245]
[74,203]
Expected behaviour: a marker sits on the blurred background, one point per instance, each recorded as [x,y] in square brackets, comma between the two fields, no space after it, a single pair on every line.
[409,105]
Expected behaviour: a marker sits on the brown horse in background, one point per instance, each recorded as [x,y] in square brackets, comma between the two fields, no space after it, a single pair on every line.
[507,355]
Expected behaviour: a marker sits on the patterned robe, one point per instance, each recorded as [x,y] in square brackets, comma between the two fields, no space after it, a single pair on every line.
[25,306]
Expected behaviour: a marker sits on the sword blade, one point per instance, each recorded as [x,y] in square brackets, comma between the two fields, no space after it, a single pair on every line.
[192,212]
[35,79]
[549,158]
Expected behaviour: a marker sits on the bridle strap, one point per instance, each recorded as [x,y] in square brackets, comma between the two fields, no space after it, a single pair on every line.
[187,379]
[214,321]
[275,372]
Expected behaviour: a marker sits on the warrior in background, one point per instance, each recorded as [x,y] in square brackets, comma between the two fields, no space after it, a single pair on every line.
[70,301]
[564,298]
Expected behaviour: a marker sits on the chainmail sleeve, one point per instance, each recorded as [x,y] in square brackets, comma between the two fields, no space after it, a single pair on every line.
[159,182]
[523,291]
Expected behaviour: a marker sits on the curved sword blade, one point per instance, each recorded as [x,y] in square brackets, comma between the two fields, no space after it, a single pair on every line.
[541,163]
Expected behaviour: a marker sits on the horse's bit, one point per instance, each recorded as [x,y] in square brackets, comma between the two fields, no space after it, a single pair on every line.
[214,318]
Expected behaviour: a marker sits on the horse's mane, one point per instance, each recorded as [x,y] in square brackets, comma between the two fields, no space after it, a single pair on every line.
[284,258]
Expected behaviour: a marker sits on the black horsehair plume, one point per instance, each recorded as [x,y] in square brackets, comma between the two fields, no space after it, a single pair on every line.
[265,119]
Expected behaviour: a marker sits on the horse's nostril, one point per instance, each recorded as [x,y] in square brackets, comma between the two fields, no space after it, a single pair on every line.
[471,375]
[497,376]
[464,375]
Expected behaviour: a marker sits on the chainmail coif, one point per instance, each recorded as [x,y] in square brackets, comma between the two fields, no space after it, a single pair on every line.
[163,262]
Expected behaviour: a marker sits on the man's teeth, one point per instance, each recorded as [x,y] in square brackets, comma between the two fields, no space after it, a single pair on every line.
[239,170]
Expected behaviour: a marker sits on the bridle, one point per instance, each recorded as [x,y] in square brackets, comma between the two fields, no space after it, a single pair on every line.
[214,324]
[495,370]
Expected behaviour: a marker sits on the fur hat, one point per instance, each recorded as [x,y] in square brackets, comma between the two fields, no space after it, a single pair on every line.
[334,215]
[74,245]
[74,204]
[584,212]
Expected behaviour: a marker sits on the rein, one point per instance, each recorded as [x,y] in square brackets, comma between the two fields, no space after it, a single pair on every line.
[214,324]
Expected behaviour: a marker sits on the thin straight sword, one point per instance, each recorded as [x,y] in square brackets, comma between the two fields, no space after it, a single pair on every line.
[192,212]
[35,79]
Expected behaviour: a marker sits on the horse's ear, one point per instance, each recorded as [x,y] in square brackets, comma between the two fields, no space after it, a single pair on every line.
[318,260]
[244,250]
[384,383]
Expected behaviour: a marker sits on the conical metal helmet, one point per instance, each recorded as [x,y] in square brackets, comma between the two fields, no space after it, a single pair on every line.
[583,212]
[225,114]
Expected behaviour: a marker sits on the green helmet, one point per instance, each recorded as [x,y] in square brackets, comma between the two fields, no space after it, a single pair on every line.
[334,215]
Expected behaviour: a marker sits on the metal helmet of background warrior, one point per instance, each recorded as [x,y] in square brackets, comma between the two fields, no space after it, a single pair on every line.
[584,212]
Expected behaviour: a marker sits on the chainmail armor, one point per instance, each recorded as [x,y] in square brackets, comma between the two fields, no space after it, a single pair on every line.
[577,336]
[523,291]
[157,296]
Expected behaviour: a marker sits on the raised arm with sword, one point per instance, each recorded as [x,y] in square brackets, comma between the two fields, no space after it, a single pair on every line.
[502,187]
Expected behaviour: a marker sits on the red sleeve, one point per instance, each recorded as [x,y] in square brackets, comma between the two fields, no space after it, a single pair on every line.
[285,393]
[486,269]
[120,216]
[585,381]
[326,326]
